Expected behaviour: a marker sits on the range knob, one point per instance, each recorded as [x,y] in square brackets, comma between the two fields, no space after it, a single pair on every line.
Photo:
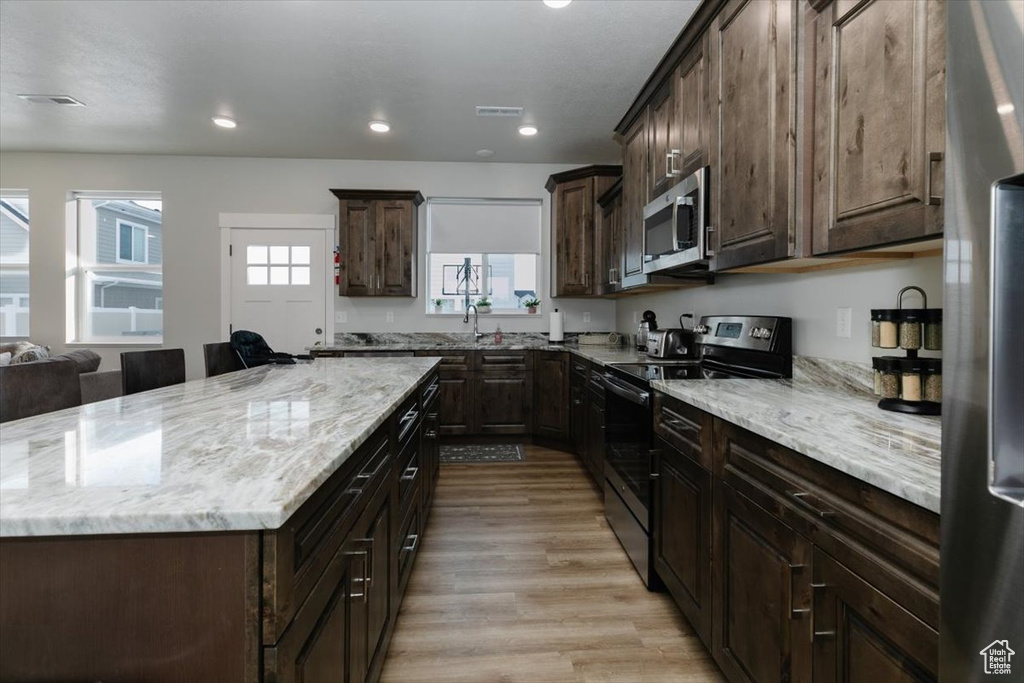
[701,329]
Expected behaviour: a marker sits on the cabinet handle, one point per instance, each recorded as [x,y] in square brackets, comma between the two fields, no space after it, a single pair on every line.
[415,542]
[668,165]
[410,473]
[708,251]
[933,158]
[366,579]
[655,475]
[801,499]
[795,612]
[431,434]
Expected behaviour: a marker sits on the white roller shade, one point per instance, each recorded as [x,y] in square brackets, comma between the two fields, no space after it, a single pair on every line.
[484,226]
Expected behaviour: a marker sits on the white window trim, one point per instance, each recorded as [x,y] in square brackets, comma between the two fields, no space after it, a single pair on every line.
[117,241]
[83,328]
[19,266]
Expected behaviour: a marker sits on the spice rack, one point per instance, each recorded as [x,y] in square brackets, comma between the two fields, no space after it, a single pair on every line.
[908,384]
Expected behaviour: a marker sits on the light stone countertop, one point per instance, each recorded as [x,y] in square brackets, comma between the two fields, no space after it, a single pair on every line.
[240,451]
[837,426]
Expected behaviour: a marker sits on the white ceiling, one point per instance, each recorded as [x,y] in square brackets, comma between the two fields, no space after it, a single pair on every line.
[303,78]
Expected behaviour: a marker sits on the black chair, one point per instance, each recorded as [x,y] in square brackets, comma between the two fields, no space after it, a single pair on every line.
[145,370]
[221,359]
[28,389]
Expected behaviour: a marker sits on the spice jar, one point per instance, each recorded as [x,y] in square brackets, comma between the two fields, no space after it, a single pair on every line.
[911,320]
[888,329]
[931,372]
[876,328]
[910,379]
[876,366]
[890,377]
[933,329]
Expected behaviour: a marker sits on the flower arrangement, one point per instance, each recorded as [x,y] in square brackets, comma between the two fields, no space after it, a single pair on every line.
[483,305]
[532,304]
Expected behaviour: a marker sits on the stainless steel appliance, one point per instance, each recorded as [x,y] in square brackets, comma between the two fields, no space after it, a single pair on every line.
[727,346]
[644,329]
[671,343]
[675,227]
[982,584]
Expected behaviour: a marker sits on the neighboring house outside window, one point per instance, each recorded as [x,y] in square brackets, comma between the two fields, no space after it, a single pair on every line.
[501,240]
[14,264]
[119,281]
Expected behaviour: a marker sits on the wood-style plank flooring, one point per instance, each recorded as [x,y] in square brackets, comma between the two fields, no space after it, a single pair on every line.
[519,578]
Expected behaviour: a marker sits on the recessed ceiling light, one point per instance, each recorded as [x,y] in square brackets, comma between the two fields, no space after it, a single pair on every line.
[557,4]
[485,153]
[379,127]
[528,130]
[1005,108]
[225,122]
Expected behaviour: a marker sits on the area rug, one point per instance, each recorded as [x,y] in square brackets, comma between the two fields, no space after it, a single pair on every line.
[484,453]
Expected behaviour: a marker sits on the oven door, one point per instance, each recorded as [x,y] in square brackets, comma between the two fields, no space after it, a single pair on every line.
[628,440]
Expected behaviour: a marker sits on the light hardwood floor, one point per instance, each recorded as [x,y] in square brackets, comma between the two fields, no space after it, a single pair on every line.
[519,578]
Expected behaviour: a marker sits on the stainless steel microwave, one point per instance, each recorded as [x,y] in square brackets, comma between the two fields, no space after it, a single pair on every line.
[675,227]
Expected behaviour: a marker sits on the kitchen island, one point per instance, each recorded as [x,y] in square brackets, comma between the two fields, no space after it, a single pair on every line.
[255,525]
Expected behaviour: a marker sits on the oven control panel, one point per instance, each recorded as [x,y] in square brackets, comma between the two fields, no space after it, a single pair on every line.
[754,332]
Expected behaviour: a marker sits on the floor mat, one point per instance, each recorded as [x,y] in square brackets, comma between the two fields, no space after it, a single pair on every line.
[482,453]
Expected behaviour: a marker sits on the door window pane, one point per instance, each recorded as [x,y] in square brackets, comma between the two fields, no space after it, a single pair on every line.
[300,254]
[255,254]
[256,275]
[278,255]
[278,274]
[300,275]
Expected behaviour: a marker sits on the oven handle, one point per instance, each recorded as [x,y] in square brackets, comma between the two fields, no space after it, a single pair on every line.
[631,394]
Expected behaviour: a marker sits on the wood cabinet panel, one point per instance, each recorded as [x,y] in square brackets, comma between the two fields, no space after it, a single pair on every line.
[878,124]
[397,253]
[693,115]
[753,62]
[574,203]
[456,411]
[551,394]
[761,594]
[634,196]
[609,271]
[358,242]
[504,401]
[862,635]
[663,140]
[682,534]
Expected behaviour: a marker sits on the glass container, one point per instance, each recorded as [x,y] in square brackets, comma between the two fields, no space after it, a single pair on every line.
[888,328]
[933,329]
[911,320]
[890,378]
[931,373]
[910,380]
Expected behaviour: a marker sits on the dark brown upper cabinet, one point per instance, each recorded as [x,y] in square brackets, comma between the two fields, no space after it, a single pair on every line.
[377,237]
[573,234]
[693,111]
[634,195]
[879,113]
[753,156]
[609,239]
[663,140]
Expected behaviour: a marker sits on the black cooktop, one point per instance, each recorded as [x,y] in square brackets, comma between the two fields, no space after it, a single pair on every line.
[648,372]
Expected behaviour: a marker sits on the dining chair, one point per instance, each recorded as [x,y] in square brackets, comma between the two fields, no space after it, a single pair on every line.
[145,370]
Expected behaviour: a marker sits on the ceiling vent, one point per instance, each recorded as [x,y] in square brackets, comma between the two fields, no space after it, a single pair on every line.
[499,111]
[63,100]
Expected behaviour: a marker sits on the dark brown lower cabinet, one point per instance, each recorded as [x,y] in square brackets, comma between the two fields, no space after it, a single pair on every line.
[762,594]
[860,634]
[456,412]
[504,401]
[551,395]
[682,534]
[595,437]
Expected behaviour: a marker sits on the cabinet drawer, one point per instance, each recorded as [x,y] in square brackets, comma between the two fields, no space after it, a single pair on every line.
[295,555]
[450,359]
[407,545]
[408,418]
[409,473]
[687,429]
[891,543]
[504,360]
[580,368]
[430,392]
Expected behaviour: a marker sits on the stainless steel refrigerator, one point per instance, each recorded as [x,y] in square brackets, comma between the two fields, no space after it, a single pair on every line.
[982,598]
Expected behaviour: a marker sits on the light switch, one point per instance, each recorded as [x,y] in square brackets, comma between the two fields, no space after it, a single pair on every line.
[341,317]
[586,316]
[389,317]
[844,322]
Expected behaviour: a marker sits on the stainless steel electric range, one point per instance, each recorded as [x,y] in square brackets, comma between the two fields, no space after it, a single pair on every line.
[727,347]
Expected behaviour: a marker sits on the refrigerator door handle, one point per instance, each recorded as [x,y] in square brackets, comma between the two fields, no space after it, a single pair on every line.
[1006,321]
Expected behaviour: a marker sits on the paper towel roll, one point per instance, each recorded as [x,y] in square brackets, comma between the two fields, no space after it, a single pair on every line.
[556,333]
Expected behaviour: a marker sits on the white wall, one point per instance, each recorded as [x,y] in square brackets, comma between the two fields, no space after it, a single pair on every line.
[810,299]
[196,189]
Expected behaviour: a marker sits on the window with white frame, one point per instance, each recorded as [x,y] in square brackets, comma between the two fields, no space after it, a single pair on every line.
[482,249]
[119,276]
[14,263]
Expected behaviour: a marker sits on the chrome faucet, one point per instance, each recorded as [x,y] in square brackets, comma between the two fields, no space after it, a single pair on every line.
[476,321]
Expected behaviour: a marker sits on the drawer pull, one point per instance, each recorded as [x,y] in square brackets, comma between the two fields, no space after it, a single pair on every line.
[819,586]
[822,634]
[365,580]
[431,434]
[799,613]
[412,546]
[801,499]
[410,473]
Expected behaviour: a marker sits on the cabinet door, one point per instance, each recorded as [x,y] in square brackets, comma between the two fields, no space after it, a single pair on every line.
[663,140]
[879,118]
[396,236]
[358,241]
[693,110]
[573,223]
[753,167]
[761,598]
[551,394]
[682,535]
[456,409]
[578,420]
[504,401]
[611,235]
[634,196]
[371,544]
[861,635]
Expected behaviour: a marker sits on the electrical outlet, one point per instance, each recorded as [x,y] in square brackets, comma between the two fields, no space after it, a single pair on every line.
[636,317]
[389,317]
[586,316]
[844,322]
[341,317]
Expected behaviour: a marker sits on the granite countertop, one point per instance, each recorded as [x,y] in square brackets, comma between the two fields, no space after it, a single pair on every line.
[240,451]
[835,424]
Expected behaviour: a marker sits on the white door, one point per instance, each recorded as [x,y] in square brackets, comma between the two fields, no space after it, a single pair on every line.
[278,286]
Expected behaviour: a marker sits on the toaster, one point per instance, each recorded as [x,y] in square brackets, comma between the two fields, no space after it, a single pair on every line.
[671,343]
